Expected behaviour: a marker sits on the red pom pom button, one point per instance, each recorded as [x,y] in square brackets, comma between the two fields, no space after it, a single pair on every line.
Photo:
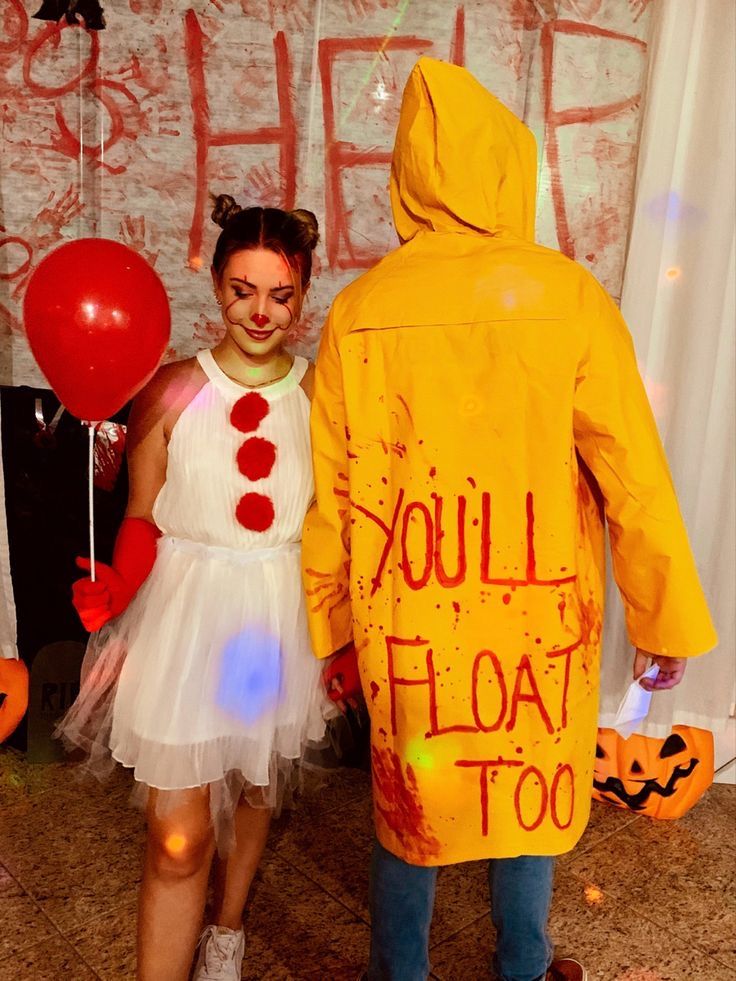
[255,512]
[249,412]
[256,458]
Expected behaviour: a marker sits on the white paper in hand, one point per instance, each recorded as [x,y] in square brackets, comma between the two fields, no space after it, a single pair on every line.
[634,705]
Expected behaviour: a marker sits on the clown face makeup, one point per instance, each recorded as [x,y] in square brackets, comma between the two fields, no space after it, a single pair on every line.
[259,302]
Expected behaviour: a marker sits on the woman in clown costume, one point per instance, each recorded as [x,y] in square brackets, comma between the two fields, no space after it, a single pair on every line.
[200,675]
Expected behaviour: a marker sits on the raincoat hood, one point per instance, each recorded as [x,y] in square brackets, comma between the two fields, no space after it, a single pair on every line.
[462,162]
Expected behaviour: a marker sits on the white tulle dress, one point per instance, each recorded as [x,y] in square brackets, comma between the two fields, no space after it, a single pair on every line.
[208,678]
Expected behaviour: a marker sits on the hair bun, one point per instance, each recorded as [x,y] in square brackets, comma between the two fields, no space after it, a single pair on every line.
[224,209]
[309,224]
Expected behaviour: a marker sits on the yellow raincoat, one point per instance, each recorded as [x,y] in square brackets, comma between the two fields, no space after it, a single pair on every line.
[466,385]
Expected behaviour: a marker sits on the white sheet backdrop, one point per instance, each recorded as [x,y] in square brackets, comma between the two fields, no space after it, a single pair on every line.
[679,300]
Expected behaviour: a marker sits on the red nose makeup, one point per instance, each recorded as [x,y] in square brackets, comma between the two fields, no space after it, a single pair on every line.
[259,319]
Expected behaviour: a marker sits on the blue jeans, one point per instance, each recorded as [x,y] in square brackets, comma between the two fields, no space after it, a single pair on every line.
[402,898]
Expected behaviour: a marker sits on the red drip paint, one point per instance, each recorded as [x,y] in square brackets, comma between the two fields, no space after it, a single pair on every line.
[456,611]
[342,156]
[393,679]
[374,690]
[567,654]
[442,577]
[525,16]
[66,142]
[52,34]
[483,767]
[496,664]
[335,594]
[591,623]
[585,114]
[283,135]
[255,512]
[18,36]
[256,458]
[249,412]
[561,607]
[397,801]
[402,400]
[389,533]
[562,825]
[507,598]
[531,561]
[421,581]
[435,727]
[23,266]
[434,556]
[485,538]
[457,45]
[544,794]
[533,696]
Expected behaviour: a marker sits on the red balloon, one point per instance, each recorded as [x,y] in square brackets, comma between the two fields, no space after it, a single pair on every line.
[98,322]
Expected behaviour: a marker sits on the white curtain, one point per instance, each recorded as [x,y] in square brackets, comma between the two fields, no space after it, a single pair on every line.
[8,634]
[678,298]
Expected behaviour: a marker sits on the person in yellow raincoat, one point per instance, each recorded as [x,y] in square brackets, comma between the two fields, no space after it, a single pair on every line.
[477,411]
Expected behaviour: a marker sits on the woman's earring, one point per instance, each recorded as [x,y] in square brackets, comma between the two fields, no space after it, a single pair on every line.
[218,301]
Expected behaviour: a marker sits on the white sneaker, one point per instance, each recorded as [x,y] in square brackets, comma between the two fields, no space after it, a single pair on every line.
[221,954]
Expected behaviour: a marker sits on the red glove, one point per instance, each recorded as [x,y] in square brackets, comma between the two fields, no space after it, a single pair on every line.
[116,585]
[342,679]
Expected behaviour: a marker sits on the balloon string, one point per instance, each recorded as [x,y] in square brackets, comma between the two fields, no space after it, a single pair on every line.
[91,486]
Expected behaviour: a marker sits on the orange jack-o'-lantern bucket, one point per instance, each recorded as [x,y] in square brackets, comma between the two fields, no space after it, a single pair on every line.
[14,688]
[662,778]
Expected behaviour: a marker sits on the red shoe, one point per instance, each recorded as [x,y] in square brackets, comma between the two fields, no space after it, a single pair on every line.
[566,970]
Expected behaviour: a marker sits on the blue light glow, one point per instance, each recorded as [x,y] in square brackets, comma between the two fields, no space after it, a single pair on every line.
[250,675]
[671,207]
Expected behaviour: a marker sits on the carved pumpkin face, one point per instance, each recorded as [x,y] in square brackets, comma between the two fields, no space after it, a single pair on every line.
[662,778]
[14,686]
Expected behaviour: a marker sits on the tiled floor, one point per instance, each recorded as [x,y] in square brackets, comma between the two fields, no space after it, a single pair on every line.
[637,900]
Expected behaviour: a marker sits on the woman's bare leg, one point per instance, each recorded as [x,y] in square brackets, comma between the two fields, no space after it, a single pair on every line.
[234,874]
[179,851]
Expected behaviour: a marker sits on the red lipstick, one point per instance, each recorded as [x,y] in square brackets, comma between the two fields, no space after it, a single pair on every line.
[259,335]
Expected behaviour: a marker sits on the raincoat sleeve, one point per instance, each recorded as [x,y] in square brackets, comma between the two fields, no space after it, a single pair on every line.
[326,537]
[615,433]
